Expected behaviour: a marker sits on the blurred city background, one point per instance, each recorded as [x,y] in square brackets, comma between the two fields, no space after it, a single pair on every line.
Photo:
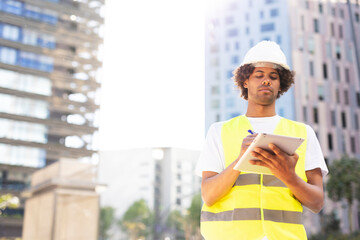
[104,107]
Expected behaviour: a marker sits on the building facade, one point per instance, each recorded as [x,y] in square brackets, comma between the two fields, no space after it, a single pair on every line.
[320,39]
[48,90]
[163,177]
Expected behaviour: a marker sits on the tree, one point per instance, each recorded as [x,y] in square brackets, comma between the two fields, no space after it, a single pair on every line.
[343,183]
[8,201]
[137,220]
[107,217]
[175,223]
[192,226]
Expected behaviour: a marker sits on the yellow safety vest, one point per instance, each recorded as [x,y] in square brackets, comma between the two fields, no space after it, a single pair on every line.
[257,205]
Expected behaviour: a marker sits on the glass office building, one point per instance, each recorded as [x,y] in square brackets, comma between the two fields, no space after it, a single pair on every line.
[49,63]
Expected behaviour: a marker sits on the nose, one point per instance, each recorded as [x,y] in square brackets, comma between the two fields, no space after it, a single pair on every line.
[266,82]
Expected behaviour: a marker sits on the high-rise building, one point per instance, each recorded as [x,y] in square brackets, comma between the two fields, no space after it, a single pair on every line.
[163,177]
[320,39]
[49,59]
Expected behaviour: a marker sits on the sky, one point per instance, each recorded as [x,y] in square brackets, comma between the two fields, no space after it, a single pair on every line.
[152,92]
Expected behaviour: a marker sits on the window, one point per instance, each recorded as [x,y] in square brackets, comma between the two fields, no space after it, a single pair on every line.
[311,68]
[332,29]
[12,6]
[302,21]
[247,30]
[274,12]
[337,93]
[316,117]
[352,144]
[235,59]
[320,8]
[321,93]
[215,104]
[333,118]
[337,73]
[340,31]
[316,25]
[267,27]
[333,12]
[343,119]
[178,189]
[305,113]
[269,1]
[311,45]
[232,32]
[8,55]
[358,98]
[357,18]
[325,75]
[347,75]
[342,13]
[338,52]
[10,32]
[301,43]
[261,14]
[227,47]
[32,12]
[178,201]
[215,90]
[356,121]
[278,39]
[229,74]
[237,46]
[328,50]
[346,97]
[330,141]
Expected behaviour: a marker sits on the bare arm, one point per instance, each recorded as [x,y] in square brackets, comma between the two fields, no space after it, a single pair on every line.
[282,165]
[216,185]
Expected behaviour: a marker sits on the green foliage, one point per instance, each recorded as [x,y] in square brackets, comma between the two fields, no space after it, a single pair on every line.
[343,183]
[8,201]
[138,220]
[107,217]
[195,210]
[344,180]
[175,222]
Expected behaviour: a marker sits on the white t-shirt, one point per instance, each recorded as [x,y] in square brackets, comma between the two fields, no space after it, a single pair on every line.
[212,156]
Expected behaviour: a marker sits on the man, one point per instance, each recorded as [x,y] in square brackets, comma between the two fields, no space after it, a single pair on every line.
[248,206]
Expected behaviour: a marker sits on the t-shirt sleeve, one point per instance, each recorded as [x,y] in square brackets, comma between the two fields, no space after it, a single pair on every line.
[212,156]
[314,157]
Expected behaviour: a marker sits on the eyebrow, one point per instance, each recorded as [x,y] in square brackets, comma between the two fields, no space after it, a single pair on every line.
[264,72]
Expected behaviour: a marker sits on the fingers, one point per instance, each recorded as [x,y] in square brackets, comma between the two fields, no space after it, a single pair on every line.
[264,158]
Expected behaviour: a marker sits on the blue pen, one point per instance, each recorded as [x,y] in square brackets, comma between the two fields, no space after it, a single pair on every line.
[250,131]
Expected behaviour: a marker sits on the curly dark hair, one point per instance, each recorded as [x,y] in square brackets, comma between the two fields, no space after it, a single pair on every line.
[242,73]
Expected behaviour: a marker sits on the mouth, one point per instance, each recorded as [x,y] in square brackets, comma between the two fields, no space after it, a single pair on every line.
[262,89]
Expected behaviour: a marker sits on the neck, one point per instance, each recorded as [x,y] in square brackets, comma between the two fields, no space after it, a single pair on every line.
[256,110]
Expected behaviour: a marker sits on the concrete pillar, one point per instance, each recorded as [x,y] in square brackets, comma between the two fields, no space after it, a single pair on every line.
[62,203]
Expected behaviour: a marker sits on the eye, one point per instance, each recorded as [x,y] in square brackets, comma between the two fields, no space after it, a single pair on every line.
[273,77]
[259,76]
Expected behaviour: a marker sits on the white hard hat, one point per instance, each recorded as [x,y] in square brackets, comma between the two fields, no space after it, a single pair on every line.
[266,52]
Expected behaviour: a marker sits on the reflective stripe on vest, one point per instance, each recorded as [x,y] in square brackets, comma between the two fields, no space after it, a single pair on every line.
[257,205]
[253,214]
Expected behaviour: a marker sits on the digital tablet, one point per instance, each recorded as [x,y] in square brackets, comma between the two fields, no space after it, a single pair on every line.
[262,140]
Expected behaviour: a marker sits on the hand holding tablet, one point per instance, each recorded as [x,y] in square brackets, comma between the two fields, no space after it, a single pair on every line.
[262,140]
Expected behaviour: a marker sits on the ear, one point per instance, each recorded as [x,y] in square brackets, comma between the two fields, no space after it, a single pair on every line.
[246,83]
